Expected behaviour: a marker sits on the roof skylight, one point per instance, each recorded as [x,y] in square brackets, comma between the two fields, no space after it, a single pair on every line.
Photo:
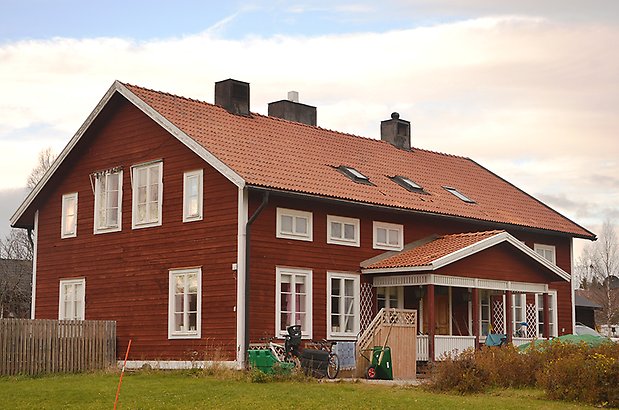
[353,174]
[407,183]
[459,194]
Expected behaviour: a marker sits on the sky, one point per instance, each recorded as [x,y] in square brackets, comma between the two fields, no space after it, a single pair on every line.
[528,89]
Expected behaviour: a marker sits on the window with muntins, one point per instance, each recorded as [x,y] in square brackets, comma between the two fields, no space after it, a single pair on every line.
[540,315]
[69,216]
[342,305]
[147,194]
[294,300]
[293,224]
[108,201]
[546,251]
[388,236]
[192,196]
[185,304]
[72,299]
[484,301]
[342,230]
[390,297]
[519,315]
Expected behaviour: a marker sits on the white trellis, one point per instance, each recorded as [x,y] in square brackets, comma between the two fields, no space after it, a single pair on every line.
[366,306]
[498,315]
[531,320]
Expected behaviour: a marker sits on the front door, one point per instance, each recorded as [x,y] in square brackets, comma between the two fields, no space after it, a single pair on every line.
[441,314]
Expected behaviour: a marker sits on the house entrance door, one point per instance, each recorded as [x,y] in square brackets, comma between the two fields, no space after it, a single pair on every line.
[442,314]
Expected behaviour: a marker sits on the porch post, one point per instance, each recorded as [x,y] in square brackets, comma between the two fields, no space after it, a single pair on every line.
[475,309]
[431,322]
[509,316]
[546,316]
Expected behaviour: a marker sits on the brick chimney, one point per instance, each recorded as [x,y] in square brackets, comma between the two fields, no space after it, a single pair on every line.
[292,110]
[397,132]
[233,95]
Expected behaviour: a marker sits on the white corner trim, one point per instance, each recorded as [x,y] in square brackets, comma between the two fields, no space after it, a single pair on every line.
[117,86]
[474,248]
[35,234]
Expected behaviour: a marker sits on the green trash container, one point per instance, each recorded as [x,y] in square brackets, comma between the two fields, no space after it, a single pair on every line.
[265,361]
[384,369]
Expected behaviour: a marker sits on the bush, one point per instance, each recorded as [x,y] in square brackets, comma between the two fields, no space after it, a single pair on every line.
[565,371]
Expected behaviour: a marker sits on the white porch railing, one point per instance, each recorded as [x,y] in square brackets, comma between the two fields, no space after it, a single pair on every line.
[517,341]
[444,345]
[422,348]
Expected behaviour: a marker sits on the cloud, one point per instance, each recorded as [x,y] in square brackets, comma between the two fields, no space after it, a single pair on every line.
[531,98]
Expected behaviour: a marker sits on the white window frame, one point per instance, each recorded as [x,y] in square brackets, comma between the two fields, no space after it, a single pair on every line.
[70,233]
[306,333]
[185,334]
[134,201]
[64,283]
[552,315]
[356,305]
[343,221]
[388,227]
[294,214]
[523,310]
[99,197]
[485,301]
[391,291]
[199,176]
[542,249]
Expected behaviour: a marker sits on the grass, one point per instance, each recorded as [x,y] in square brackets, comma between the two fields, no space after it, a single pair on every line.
[183,390]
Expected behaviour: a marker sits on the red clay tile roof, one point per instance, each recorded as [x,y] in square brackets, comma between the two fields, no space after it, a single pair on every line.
[279,154]
[427,252]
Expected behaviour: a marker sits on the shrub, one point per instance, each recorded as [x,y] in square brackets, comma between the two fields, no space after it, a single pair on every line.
[565,371]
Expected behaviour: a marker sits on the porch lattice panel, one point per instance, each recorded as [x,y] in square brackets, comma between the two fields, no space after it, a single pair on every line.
[498,315]
[531,320]
[366,306]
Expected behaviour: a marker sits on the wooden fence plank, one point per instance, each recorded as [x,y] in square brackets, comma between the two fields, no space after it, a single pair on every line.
[50,346]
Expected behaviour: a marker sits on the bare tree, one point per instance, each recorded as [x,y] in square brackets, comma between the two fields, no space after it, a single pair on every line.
[15,274]
[46,158]
[599,263]
[16,254]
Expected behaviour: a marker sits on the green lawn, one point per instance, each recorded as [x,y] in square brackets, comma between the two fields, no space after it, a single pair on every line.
[159,390]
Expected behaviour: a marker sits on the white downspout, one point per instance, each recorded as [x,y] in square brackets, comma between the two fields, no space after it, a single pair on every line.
[35,236]
[240,277]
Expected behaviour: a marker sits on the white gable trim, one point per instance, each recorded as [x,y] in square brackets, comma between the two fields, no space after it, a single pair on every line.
[474,248]
[155,116]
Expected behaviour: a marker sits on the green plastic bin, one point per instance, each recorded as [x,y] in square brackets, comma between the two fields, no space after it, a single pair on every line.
[266,362]
[384,369]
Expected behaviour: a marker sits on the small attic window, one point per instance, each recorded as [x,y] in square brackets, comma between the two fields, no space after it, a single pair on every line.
[407,183]
[459,194]
[355,175]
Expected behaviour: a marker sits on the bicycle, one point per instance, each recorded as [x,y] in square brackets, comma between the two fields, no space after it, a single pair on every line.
[312,361]
[333,368]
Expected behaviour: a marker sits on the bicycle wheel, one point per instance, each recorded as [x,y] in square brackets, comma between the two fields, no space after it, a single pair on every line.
[334,366]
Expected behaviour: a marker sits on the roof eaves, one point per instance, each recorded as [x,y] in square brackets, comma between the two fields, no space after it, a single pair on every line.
[591,236]
[189,142]
[63,154]
[119,87]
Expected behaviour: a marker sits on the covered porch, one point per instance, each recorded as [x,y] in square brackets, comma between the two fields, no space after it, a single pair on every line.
[466,286]
[458,313]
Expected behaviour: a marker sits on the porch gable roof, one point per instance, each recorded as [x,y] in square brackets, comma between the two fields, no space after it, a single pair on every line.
[434,252]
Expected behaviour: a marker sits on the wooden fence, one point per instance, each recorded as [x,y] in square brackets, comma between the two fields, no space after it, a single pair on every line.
[56,346]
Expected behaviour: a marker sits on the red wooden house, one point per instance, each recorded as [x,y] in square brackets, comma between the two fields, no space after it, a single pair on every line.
[202,227]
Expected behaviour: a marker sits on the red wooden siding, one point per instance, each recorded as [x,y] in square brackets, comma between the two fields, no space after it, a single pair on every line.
[127,272]
[267,252]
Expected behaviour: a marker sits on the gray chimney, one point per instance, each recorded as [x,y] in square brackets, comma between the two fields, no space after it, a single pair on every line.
[292,110]
[233,95]
[397,132]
